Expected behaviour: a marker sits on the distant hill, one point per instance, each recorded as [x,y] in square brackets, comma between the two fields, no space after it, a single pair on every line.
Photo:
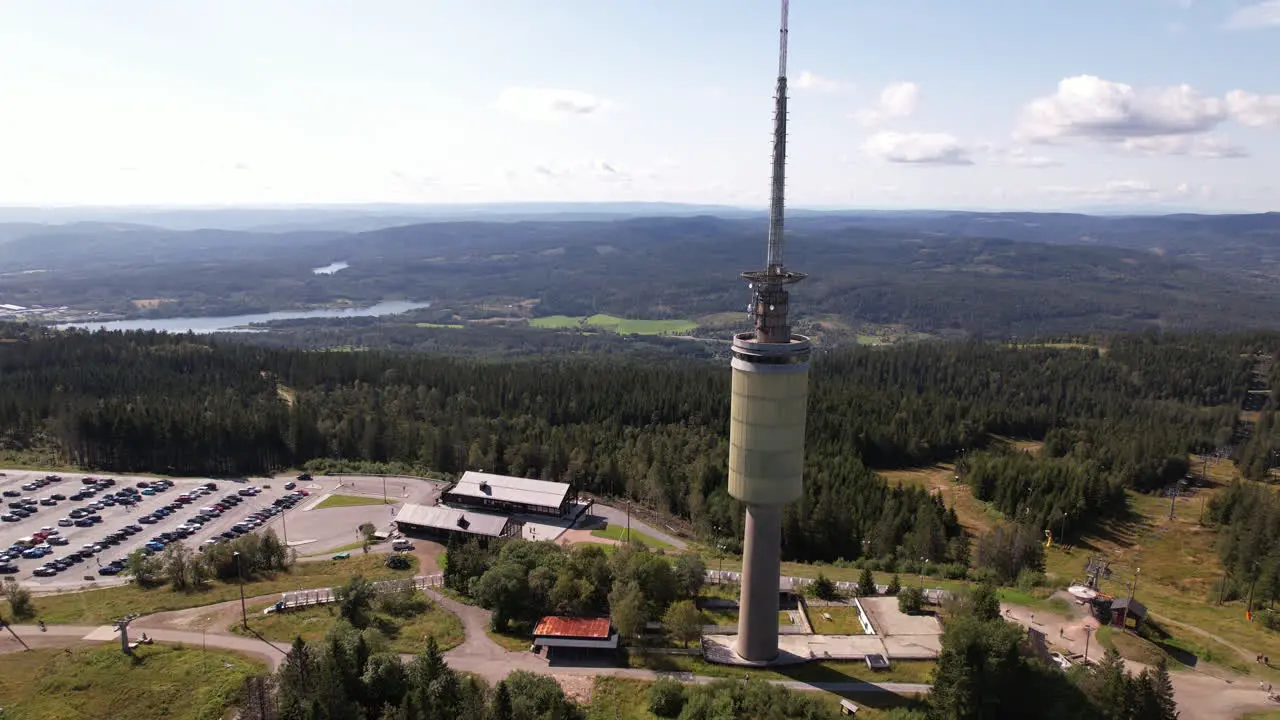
[984,273]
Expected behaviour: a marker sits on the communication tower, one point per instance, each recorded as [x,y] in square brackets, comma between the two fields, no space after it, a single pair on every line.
[767,414]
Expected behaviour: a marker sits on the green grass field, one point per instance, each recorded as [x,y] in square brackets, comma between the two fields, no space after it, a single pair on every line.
[844,621]
[407,634]
[619,533]
[347,501]
[611,323]
[107,604]
[159,681]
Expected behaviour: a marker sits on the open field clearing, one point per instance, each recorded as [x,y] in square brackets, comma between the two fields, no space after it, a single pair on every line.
[158,681]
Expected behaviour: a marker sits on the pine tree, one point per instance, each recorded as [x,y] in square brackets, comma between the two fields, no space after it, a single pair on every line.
[866,583]
[895,585]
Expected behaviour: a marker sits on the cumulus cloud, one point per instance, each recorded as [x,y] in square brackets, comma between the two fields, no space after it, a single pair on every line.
[548,104]
[1090,107]
[813,81]
[1171,120]
[560,172]
[1258,15]
[897,100]
[1254,110]
[918,148]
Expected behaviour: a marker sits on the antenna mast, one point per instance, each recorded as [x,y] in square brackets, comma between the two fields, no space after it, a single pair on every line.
[769,299]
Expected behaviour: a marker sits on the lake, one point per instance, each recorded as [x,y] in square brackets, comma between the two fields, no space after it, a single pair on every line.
[330,269]
[237,323]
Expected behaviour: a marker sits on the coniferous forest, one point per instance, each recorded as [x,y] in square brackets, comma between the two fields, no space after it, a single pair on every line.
[1124,414]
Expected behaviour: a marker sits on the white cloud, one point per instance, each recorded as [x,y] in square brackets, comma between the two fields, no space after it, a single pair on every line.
[918,148]
[1254,110]
[897,100]
[813,81]
[548,104]
[1092,108]
[1193,145]
[1258,15]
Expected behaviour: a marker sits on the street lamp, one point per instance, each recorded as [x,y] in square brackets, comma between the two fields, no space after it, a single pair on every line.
[244,614]
[924,564]
[1134,587]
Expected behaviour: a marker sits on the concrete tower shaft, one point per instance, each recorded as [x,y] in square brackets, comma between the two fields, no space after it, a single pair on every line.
[770,398]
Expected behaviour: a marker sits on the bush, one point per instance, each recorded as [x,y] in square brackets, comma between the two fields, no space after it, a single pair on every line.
[910,600]
[823,588]
[895,585]
[398,562]
[19,599]
[1028,579]
[666,697]
[403,601]
[1270,620]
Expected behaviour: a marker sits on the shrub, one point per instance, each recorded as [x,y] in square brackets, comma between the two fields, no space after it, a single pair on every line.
[398,562]
[666,697]
[403,601]
[866,584]
[19,599]
[823,588]
[895,585]
[910,600]
[1028,579]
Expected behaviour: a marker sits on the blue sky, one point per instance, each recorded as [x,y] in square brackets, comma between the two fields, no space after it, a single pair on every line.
[913,103]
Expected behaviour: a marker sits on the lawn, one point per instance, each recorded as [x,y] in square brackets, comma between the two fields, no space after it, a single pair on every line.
[719,616]
[619,533]
[159,681]
[844,621]
[517,638]
[348,501]
[611,323]
[407,634]
[975,516]
[107,604]
[1036,599]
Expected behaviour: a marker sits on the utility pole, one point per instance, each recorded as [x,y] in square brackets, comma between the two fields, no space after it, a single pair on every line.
[384,489]
[1134,587]
[1173,497]
[1202,499]
[628,520]
[1088,631]
[7,626]
[244,614]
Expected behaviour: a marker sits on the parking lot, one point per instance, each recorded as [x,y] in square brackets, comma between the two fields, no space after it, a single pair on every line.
[115,517]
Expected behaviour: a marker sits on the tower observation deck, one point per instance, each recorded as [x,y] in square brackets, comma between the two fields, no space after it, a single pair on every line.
[767,414]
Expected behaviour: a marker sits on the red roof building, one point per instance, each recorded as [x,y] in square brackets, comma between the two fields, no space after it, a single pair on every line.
[561,631]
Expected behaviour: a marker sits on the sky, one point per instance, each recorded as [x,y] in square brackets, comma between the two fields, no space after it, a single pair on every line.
[993,104]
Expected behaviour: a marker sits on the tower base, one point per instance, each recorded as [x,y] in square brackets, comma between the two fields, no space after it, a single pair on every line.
[761,567]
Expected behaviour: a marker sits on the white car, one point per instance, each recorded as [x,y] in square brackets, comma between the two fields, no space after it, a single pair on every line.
[401,545]
[66,522]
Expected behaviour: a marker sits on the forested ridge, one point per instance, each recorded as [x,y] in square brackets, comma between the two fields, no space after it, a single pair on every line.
[654,432]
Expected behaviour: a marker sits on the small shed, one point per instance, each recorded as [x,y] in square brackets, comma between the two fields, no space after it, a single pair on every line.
[1125,608]
[575,632]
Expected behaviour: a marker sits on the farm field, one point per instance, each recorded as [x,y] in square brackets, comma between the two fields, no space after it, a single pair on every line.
[610,323]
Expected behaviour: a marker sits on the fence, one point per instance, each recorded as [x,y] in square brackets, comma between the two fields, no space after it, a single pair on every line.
[322,596]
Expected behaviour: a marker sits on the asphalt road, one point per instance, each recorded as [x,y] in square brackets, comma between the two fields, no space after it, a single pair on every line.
[116,517]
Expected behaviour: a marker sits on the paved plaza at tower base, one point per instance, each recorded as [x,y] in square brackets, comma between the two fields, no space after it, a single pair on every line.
[794,649]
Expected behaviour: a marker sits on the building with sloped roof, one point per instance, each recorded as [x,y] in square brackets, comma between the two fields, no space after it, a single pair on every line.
[575,632]
[442,521]
[505,494]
